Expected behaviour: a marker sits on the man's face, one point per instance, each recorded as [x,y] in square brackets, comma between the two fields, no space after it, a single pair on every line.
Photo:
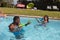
[17,21]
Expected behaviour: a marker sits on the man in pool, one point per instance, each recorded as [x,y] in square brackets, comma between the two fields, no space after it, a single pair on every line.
[2,14]
[43,21]
[16,27]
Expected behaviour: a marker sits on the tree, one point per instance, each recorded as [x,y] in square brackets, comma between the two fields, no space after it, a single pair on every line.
[0,0]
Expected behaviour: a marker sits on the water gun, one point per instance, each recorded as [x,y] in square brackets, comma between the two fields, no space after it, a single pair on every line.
[23,25]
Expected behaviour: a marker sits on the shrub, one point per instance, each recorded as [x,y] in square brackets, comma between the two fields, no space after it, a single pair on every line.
[5,4]
[10,5]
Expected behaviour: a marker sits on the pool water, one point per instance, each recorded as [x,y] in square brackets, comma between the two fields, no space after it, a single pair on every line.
[50,32]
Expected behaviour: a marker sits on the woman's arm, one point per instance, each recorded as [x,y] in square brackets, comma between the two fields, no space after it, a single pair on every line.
[38,20]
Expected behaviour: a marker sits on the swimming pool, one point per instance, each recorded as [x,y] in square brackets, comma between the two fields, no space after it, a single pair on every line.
[50,32]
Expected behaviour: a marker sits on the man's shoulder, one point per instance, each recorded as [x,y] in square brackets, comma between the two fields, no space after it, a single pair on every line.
[11,24]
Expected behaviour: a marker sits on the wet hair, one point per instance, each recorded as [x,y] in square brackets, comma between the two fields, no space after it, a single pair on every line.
[15,18]
[47,18]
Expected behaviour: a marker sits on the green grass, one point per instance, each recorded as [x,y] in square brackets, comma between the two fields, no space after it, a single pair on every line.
[30,12]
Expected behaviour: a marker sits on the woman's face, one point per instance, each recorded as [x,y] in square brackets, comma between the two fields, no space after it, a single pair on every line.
[46,18]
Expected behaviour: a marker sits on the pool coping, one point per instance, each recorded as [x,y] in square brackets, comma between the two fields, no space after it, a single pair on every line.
[55,18]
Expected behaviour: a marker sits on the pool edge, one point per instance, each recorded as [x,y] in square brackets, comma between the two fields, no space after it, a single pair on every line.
[55,18]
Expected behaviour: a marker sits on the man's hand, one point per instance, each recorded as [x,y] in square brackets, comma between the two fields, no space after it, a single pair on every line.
[27,23]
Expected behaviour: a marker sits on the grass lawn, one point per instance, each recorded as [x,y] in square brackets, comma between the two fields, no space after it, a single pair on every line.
[30,12]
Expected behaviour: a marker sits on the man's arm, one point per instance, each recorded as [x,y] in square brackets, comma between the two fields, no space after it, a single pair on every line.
[27,23]
[11,27]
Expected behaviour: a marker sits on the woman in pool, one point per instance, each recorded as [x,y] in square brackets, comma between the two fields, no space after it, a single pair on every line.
[46,19]
[16,27]
[43,21]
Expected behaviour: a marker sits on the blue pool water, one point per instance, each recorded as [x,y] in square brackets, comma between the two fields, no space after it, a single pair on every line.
[50,32]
